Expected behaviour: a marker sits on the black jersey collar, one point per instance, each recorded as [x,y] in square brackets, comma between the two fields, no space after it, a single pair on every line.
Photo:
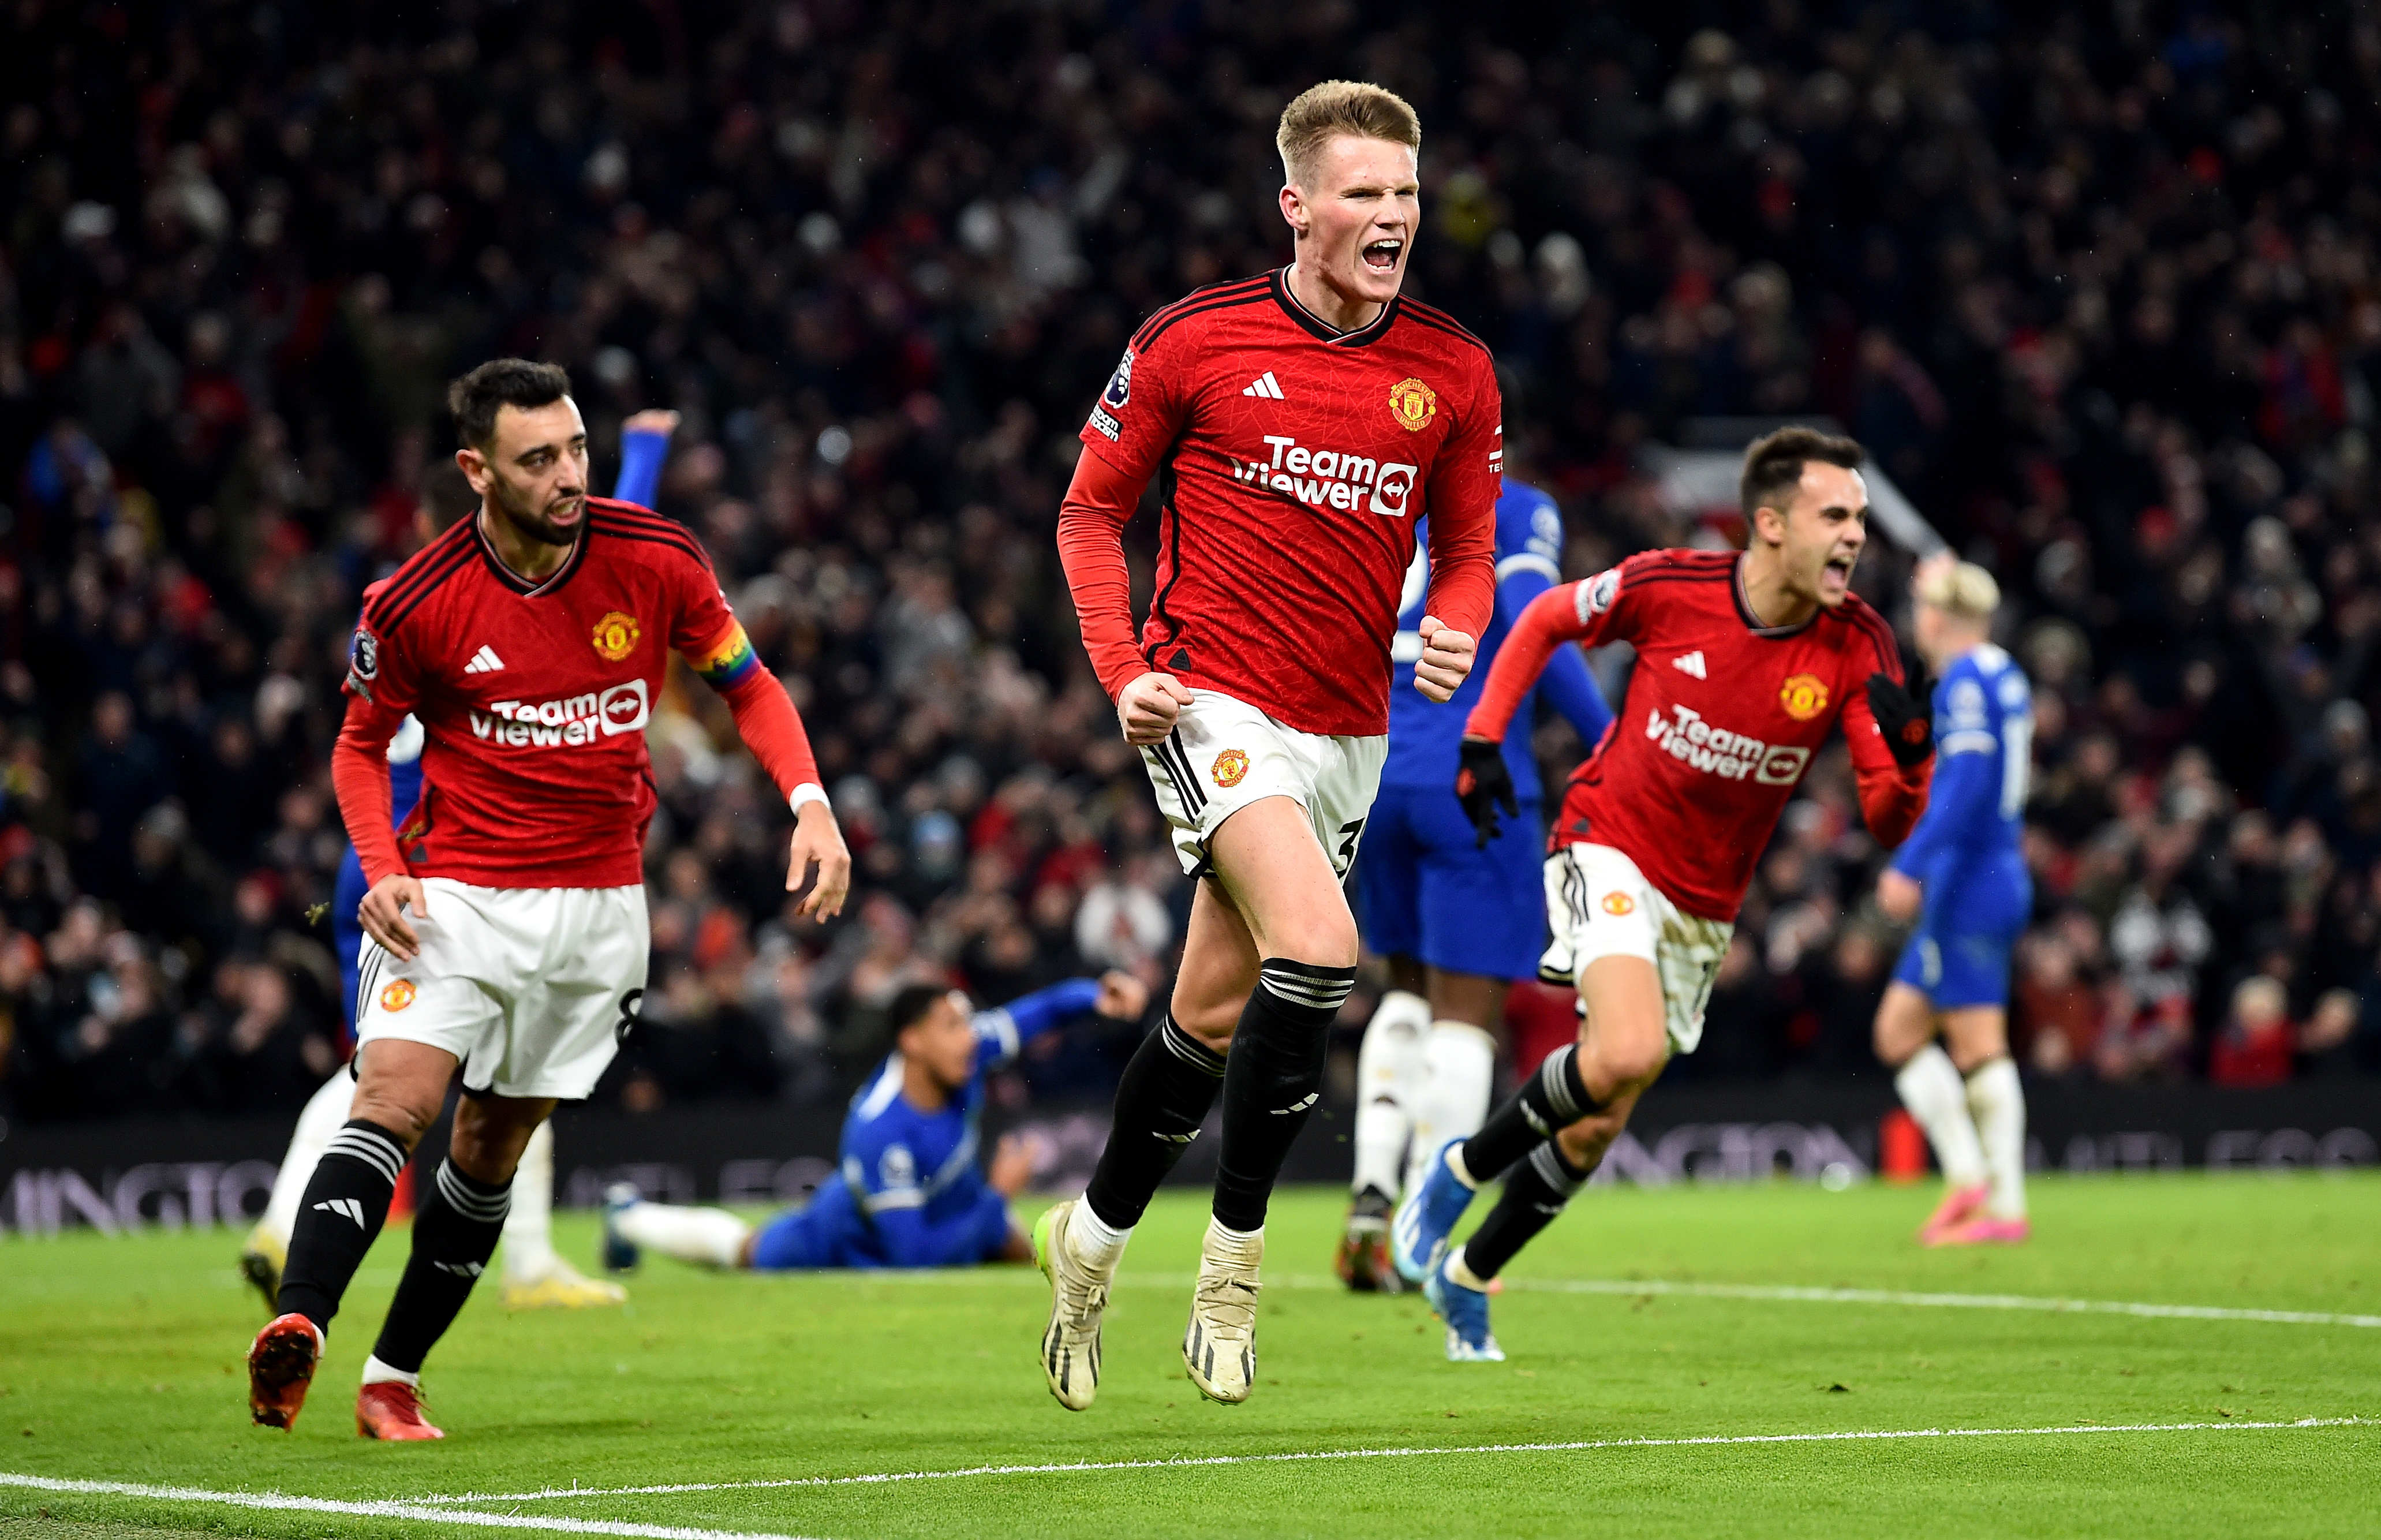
[1752,622]
[1322,330]
[522,585]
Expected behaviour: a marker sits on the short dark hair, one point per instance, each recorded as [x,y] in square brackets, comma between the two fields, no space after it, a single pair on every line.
[912,1003]
[447,494]
[1773,464]
[477,397]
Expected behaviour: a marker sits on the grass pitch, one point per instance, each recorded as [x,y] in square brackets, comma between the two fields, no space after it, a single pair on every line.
[120,1362]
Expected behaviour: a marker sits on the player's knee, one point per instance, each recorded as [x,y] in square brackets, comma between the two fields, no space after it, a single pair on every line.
[1210,1021]
[1327,940]
[1583,1143]
[488,1143]
[405,1111]
[1619,1063]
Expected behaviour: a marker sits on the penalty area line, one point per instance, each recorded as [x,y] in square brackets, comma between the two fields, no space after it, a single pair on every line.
[399,1509]
[1310,1456]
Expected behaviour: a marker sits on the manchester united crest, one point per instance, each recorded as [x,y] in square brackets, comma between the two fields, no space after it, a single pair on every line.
[398,996]
[1803,696]
[1618,904]
[1413,404]
[616,636]
[1230,766]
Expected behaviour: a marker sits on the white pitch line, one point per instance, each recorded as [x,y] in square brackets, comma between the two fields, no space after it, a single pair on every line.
[1793,1293]
[286,1502]
[1295,1456]
[1957,1302]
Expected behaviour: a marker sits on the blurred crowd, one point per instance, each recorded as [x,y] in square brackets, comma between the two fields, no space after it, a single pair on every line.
[2101,292]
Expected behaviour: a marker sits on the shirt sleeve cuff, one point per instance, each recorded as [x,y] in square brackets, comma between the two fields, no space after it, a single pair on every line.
[806,793]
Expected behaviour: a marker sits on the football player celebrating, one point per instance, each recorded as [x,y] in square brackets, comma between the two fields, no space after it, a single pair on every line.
[505,922]
[907,1191]
[1456,917]
[1744,665]
[1299,422]
[1962,877]
[535,1277]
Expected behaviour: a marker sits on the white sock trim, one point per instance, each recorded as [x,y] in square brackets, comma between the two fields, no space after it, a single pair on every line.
[1462,1172]
[1461,1271]
[1236,1237]
[1094,1242]
[377,1373]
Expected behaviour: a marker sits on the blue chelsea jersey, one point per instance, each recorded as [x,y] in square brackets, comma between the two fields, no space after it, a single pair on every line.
[912,1192]
[1974,829]
[1423,732]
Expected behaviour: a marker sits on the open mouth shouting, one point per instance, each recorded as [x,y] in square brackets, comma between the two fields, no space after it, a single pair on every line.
[1382,255]
[1836,577]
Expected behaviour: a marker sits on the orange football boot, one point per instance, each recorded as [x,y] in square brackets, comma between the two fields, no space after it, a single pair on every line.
[280,1367]
[1959,1206]
[391,1410]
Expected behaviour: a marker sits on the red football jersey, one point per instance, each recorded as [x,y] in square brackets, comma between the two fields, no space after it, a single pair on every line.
[533,698]
[1293,461]
[1721,719]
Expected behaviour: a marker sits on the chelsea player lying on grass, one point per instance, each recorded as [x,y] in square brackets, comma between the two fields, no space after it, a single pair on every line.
[908,1192]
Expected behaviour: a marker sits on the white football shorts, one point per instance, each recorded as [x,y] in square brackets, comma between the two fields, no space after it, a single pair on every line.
[1225,754]
[531,988]
[1599,905]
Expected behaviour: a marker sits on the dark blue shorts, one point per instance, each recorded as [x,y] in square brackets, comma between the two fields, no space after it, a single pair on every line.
[816,1235]
[1425,891]
[1956,965]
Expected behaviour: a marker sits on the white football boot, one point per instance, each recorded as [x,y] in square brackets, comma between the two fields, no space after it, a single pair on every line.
[1079,1299]
[1220,1349]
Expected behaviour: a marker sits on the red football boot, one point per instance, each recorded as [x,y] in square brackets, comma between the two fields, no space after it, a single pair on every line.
[391,1410]
[1959,1206]
[280,1367]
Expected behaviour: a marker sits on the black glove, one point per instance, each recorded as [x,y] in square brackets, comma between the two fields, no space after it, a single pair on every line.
[1904,718]
[1483,786]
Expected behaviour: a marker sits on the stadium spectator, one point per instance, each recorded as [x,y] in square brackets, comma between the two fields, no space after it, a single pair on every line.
[2103,295]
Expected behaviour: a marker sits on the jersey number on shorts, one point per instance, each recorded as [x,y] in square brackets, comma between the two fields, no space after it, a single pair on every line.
[1350,833]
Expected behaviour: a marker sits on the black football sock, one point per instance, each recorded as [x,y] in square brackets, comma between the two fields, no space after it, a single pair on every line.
[1535,1190]
[1165,1096]
[346,1203]
[1548,1102]
[1272,1080]
[454,1232]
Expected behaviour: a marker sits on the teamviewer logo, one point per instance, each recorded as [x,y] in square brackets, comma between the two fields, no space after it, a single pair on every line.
[624,708]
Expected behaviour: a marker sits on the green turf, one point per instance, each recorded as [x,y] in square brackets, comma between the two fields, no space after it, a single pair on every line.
[119,1360]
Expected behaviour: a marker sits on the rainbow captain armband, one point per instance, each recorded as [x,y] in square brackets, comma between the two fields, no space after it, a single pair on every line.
[728,661]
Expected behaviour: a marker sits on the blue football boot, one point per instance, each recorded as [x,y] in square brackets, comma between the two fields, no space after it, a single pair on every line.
[1465,1310]
[1424,1220]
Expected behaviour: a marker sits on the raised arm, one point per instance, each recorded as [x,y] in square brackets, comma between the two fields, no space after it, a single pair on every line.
[644,445]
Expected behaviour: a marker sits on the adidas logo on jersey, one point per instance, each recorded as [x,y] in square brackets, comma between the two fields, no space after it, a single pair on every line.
[346,1208]
[1693,662]
[1265,386]
[485,660]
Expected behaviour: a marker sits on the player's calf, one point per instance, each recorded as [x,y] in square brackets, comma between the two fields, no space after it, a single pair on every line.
[454,1233]
[1273,1080]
